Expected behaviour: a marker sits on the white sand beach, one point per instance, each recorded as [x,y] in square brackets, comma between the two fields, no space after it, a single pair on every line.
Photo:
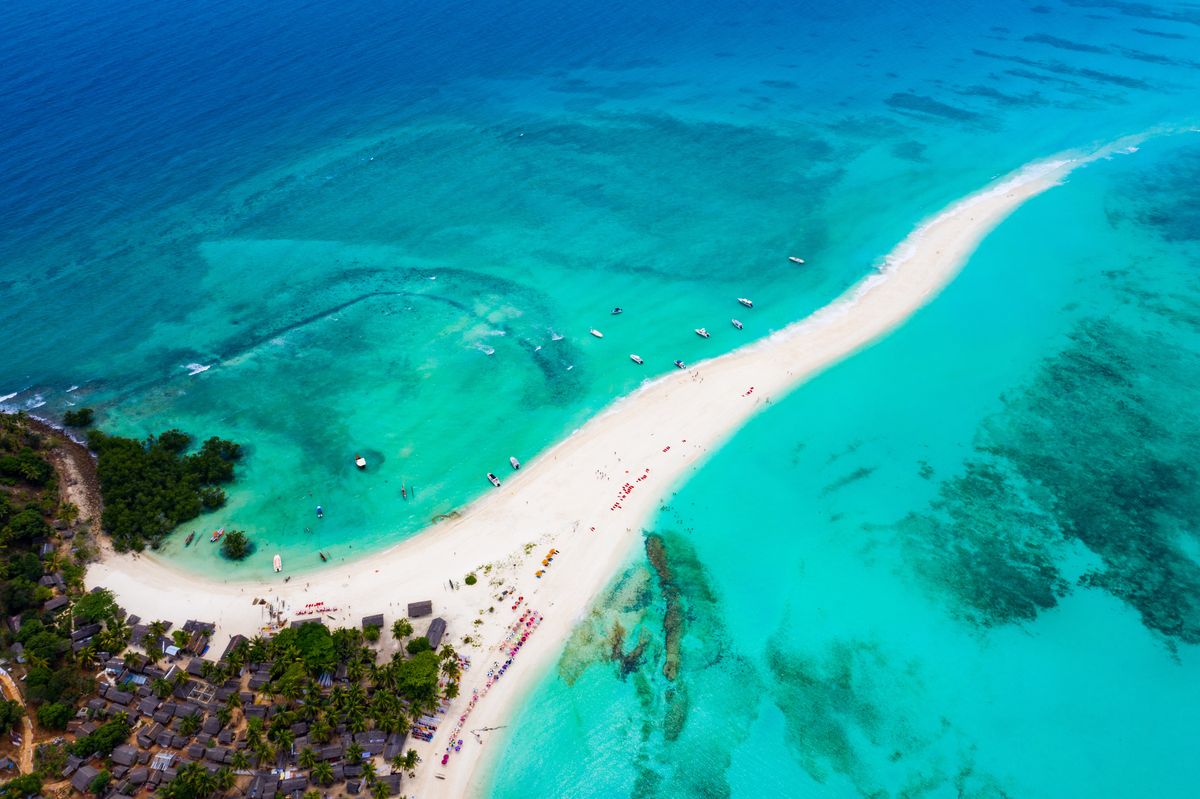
[576,496]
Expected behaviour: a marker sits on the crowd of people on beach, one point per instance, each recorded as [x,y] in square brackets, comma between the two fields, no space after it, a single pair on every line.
[627,487]
[515,637]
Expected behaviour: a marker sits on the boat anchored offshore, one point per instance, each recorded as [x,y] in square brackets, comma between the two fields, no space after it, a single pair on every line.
[617,310]
[516,464]
[746,302]
[680,365]
[701,332]
[190,537]
[360,461]
[320,512]
[493,479]
[216,536]
[278,562]
[636,359]
[736,324]
[596,333]
[795,260]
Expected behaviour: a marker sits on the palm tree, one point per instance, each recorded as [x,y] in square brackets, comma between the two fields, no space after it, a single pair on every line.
[451,690]
[368,770]
[379,790]
[312,795]
[189,725]
[308,758]
[322,773]
[239,761]
[160,687]
[319,730]
[284,739]
[401,628]
[257,650]
[411,759]
[264,752]
[86,657]
[224,779]
[354,752]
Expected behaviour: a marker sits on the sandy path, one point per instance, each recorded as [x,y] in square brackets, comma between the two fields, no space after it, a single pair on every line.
[11,692]
[573,497]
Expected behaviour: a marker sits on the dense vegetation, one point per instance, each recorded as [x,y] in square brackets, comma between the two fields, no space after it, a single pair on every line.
[107,737]
[33,558]
[80,418]
[235,545]
[150,487]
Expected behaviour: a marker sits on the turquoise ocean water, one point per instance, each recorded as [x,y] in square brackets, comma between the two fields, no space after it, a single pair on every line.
[963,562]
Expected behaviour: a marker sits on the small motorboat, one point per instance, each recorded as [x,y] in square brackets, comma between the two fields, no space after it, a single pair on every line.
[403,492]
[190,537]
[320,512]
[278,562]
[701,332]
[596,333]
[636,359]
[323,558]
[493,479]
[736,324]
[745,302]
[516,464]
[216,536]
[795,260]
[360,461]
[617,310]
[680,365]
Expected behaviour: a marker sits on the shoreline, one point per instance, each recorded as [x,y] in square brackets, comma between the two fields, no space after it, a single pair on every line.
[587,496]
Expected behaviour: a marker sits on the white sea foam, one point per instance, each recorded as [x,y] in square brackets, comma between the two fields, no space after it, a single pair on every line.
[197,368]
[72,388]
[7,397]
[484,348]
[555,336]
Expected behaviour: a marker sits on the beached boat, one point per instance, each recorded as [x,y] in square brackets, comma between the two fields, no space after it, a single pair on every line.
[736,324]
[795,260]
[493,479]
[278,562]
[636,359]
[745,302]
[701,332]
[680,365]
[360,461]
[617,310]
[216,536]
[516,464]
[596,333]
[188,542]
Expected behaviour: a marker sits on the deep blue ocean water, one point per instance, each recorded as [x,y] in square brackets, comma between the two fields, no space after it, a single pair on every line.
[326,229]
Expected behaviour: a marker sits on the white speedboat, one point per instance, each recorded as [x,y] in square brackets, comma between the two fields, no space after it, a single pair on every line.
[636,359]
[516,464]
[680,365]
[360,461]
[795,260]
[493,479]
[278,563]
[701,332]
[745,302]
[736,324]
[596,333]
